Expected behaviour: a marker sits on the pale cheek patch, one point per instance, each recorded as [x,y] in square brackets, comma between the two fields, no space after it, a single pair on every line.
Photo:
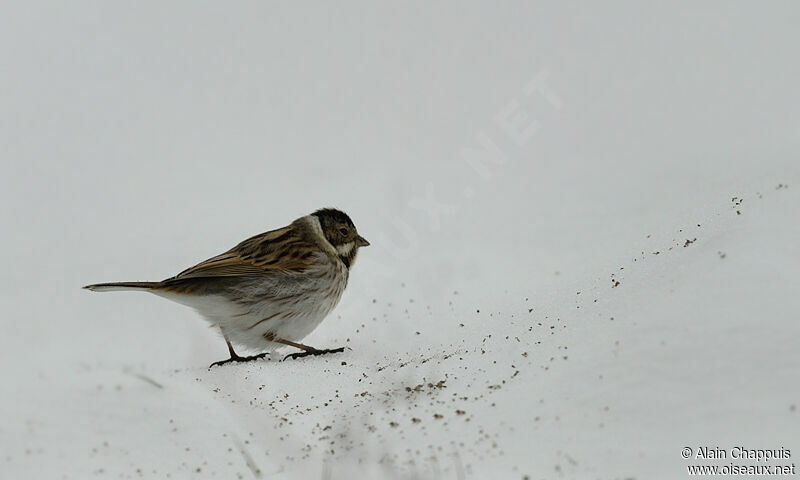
[344,250]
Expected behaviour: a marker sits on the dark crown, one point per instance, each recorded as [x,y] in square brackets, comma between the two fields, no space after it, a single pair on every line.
[332,215]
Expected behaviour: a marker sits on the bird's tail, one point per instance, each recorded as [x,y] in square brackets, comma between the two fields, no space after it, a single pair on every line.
[116,286]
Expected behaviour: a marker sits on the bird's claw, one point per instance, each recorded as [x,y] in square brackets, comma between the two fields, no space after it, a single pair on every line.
[307,353]
[238,359]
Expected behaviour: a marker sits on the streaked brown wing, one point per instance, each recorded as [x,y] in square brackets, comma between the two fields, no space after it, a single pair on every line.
[282,250]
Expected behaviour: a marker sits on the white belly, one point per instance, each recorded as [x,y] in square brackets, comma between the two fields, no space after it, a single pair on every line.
[288,307]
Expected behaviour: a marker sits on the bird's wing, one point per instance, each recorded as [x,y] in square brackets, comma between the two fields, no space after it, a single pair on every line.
[282,250]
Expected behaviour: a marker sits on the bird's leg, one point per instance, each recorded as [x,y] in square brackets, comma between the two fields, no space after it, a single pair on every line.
[235,357]
[306,349]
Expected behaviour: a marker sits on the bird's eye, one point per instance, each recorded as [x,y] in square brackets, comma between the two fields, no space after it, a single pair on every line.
[343,231]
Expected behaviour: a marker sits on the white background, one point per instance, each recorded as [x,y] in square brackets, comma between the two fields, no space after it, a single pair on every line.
[138,139]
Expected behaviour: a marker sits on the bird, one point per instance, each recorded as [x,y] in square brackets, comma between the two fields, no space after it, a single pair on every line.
[270,290]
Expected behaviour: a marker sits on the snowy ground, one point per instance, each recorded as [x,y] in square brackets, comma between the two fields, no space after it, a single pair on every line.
[617,279]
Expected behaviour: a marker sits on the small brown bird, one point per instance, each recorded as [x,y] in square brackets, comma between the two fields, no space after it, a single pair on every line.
[272,289]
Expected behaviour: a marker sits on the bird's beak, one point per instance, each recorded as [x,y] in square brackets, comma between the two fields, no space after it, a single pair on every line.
[362,242]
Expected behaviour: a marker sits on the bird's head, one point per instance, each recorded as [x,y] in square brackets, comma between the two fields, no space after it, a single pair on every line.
[340,231]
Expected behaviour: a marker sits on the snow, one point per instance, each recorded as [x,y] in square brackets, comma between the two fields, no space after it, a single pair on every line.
[653,146]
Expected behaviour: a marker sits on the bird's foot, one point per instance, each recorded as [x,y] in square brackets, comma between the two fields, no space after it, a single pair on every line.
[238,359]
[307,353]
